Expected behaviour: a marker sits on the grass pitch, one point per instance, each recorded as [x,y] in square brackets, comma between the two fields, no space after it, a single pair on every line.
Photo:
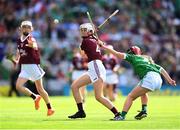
[19,113]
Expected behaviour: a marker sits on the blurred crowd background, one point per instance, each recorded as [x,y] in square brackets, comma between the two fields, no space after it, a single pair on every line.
[154,25]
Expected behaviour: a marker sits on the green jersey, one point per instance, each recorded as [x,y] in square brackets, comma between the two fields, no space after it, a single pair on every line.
[142,65]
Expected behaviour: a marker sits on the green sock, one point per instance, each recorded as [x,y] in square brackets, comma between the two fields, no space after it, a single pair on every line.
[144,107]
[123,114]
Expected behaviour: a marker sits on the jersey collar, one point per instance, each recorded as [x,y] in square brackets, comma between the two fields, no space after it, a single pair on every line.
[21,38]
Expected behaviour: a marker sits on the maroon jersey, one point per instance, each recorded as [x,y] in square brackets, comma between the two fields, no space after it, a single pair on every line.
[79,63]
[90,47]
[28,55]
[109,61]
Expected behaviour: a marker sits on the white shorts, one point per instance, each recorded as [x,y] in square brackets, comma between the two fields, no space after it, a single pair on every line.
[77,73]
[152,81]
[111,77]
[31,72]
[96,70]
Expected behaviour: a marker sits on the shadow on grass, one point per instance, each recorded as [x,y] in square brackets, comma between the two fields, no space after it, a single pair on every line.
[62,119]
[93,120]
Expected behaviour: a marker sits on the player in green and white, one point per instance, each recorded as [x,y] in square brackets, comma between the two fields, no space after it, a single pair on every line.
[149,73]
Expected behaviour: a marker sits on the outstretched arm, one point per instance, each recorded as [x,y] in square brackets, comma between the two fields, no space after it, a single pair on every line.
[114,52]
[167,77]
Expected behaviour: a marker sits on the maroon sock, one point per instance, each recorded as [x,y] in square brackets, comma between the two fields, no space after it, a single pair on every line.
[48,106]
[114,110]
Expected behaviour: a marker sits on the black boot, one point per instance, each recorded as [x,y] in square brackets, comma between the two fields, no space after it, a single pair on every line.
[141,115]
[79,114]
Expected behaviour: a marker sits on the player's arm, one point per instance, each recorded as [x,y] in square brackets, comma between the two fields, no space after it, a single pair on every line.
[82,52]
[17,57]
[167,77]
[114,52]
[32,43]
[116,68]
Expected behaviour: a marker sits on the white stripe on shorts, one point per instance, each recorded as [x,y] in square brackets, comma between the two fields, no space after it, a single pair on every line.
[96,69]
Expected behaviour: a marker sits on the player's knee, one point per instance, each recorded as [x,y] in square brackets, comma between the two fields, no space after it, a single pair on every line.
[130,96]
[98,98]
[73,86]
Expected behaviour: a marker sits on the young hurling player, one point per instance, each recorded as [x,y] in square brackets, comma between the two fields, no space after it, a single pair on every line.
[28,56]
[96,72]
[149,73]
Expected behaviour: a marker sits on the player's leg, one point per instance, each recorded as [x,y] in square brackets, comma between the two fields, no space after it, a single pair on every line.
[80,82]
[135,93]
[144,101]
[98,89]
[111,93]
[155,83]
[76,85]
[20,87]
[44,95]
[105,90]
[143,112]
[83,93]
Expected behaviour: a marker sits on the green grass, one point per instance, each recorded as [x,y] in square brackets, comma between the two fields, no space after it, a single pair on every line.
[19,113]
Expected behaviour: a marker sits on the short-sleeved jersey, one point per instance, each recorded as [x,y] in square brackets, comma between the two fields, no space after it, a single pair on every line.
[109,61]
[142,65]
[79,63]
[28,55]
[90,46]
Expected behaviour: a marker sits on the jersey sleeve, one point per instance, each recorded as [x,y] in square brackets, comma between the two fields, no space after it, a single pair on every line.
[85,45]
[158,67]
[129,57]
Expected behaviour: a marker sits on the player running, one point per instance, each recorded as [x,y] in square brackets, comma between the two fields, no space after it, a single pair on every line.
[149,73]
[28,56]
[111,65]
[96,72]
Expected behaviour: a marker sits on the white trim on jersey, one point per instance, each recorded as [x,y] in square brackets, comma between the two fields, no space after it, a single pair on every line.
[21,38]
